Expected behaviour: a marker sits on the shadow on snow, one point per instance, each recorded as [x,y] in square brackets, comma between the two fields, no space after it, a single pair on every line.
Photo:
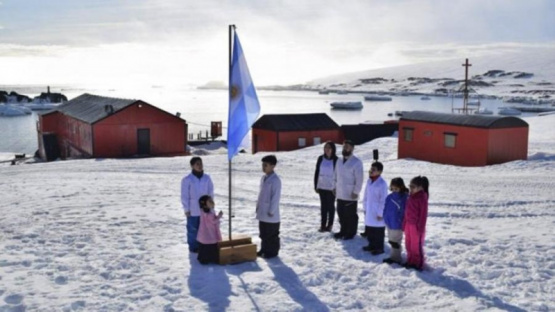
[289,280]
[463,289]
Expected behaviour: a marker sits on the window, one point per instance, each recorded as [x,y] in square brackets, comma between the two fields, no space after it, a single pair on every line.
[316,141]
[407,134]
[450,139]
[302,142]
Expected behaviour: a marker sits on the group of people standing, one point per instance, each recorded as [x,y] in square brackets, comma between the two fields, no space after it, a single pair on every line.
[405,210]
[203,224]
[337,180]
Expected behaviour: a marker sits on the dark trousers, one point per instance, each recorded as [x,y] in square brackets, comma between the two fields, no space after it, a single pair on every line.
[375,237]
[348,217]
[327,208]
[269,237]
[208,253]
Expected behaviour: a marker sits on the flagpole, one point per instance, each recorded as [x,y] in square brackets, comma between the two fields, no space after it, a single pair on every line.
[231,29]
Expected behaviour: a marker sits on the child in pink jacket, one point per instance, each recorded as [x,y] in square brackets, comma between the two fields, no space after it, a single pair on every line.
[414,223]
[209,231]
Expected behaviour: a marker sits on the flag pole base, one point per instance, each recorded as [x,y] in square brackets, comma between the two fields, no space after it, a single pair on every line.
[239,249]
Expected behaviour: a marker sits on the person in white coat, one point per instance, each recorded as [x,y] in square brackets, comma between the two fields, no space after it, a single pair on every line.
[267,209]
[373,204]
[324,184]
[348,184]
[193,186]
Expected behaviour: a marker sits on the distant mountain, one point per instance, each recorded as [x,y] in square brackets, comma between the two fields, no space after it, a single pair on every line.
[528,75]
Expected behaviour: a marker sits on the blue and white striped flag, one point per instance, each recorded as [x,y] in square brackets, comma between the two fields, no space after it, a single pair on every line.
[244,107]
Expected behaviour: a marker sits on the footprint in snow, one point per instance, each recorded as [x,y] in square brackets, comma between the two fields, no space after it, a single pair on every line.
[13,299]
[61,280]
[11,308]
[80,304]
[63,268]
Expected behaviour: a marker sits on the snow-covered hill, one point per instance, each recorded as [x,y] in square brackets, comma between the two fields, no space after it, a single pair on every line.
[108,235]
[527,75]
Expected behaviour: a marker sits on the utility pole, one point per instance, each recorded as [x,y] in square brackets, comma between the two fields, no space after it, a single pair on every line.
[465,100]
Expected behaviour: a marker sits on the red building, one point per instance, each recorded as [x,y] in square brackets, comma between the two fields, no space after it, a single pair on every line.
[463,140]
[290,132]
[96,126]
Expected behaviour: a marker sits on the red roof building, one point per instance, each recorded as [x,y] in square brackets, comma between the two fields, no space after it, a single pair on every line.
[96,126]
[463,140]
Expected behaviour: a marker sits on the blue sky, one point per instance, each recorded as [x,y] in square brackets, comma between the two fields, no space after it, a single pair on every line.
[285,41]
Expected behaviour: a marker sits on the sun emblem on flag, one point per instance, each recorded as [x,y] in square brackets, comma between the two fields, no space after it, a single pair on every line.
[235,91]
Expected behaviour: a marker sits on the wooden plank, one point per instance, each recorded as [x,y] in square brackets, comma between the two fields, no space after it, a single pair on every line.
[237,254]
[236,239]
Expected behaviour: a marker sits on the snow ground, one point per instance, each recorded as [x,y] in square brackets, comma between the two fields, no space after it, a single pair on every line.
[4,157]
[210,148]
[108,235]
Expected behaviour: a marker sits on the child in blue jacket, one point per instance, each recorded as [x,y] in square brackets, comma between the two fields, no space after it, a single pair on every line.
[394,212]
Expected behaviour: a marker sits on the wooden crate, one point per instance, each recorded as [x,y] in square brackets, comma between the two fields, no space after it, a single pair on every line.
[239,249]
[237,254]
[236,239]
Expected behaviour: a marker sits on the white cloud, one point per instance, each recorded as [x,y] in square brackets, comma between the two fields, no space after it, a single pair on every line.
[137,64]
[118,64]
[285,42]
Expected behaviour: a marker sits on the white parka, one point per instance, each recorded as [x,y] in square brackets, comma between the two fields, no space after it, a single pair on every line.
[348,178]
[374,202]
[192,188]
[267,206]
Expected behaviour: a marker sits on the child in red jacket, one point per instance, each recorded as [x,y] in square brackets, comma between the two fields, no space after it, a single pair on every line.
[414,224]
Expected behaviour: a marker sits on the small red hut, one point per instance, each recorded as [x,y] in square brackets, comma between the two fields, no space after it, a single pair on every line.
[463,140]
[286,132]
[97,126]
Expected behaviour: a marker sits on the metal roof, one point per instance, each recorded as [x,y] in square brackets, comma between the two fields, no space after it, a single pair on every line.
[477,121]
[296,122]
[92,108]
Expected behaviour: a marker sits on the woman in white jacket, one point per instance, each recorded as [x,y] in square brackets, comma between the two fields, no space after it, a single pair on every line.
[373,204]
[324,184]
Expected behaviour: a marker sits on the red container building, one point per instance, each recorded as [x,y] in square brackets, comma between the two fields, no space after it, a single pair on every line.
[286,132]
[462,140]
[96,126]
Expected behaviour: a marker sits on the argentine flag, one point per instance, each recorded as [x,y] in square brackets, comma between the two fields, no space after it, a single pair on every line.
[244,107]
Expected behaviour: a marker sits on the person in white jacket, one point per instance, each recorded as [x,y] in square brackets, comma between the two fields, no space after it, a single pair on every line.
[373,204]
[324,184]
[267,209]
[348,184]
[193,186]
